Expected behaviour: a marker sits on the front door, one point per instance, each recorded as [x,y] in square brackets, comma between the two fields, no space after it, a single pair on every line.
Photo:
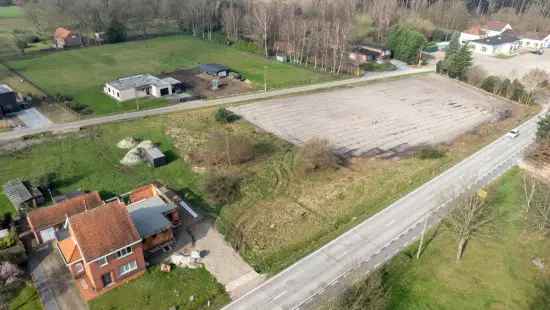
[107,279]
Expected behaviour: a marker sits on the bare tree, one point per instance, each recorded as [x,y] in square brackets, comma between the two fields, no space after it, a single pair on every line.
[467,218]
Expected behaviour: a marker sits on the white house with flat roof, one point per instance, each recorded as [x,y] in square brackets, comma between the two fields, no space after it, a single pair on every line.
[142,85]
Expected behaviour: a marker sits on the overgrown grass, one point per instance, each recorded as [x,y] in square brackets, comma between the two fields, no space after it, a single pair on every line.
[182,288]
[496,272]
[26,298]
[108,62]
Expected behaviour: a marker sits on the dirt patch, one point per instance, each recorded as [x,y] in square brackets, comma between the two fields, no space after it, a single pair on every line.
[200,84]
[57,113]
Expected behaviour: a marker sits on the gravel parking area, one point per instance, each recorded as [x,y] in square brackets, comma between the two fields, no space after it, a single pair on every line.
[514,67]
[384,116]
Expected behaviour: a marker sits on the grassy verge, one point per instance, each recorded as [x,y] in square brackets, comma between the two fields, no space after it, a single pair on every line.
[26,298]
[496,272]
[165,54]
[378,67]
[182,288]
[11,12]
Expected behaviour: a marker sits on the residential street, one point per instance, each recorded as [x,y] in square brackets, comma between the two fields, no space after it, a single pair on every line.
[75,126]
[379,238]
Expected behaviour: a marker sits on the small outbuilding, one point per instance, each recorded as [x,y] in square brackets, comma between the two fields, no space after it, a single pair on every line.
[65,38]
[8,100]
[154,157]
[216,70]
[23,194]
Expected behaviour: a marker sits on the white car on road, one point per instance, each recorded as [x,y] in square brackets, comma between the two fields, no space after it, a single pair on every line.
[514,133]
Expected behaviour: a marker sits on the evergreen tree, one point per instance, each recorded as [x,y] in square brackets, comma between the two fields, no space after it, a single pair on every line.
[116,32]
[459,62]
[454,45]
[406,43]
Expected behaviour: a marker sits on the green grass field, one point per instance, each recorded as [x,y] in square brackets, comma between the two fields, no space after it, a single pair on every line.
[82,73]
[158,290]
[496,272]
[91,162]
[11,12]
[26,298]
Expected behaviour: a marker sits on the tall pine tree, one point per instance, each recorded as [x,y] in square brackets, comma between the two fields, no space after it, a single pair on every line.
[454,45]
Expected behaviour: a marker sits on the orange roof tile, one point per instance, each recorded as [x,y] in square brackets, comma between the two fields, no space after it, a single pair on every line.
[62,33]
[142,193]
[103,230]
[69,250]
[56,214]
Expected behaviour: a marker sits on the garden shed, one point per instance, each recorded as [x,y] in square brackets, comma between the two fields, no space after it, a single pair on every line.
[215,70]
[154,156]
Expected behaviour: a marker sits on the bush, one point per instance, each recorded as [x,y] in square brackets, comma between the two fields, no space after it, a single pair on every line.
[315,155]
[476,75]
[8,241]
[430,152]
[543,129]
[405,43]
[116,32]
[491,84]
[225,116]
[376,67]
[225,148]
[222,187]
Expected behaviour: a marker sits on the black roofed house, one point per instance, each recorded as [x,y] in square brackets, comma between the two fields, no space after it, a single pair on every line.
[23,194]
[505,44]
[8,100]
[216,70]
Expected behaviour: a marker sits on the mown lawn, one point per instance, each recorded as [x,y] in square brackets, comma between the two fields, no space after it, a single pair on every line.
[10,12]
[496,271]
[81,73]
[182,288]
[91,161]
[26,298]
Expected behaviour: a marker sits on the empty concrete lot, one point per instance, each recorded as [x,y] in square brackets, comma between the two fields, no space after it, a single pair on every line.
[515,67]
[414,111]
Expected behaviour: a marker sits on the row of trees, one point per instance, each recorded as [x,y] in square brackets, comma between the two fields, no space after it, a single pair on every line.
[315,32]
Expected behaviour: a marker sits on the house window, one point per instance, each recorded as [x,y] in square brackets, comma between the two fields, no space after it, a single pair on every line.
[78,267]
[483,49]
[124,269]
[118,94]
[124,252]
[103,262]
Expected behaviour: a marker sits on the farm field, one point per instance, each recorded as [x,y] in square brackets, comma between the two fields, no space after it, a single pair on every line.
[280,215]
[81,73]
[496,271]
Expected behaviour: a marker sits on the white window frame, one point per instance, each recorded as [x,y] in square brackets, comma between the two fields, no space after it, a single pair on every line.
[103,261]
[124,252]
[127,268]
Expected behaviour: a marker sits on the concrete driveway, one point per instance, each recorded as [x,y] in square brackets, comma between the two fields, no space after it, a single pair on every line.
[218,257]
[53,280]
[33,119]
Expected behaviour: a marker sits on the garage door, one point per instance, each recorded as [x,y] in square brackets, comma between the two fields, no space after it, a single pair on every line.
[47,234]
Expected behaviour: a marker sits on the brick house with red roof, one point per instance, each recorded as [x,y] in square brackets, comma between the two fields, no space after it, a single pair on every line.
[45,222]
[65,38]
[103,249]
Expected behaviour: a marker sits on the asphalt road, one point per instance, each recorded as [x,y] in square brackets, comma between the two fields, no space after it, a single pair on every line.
[379,238]
[75,126]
